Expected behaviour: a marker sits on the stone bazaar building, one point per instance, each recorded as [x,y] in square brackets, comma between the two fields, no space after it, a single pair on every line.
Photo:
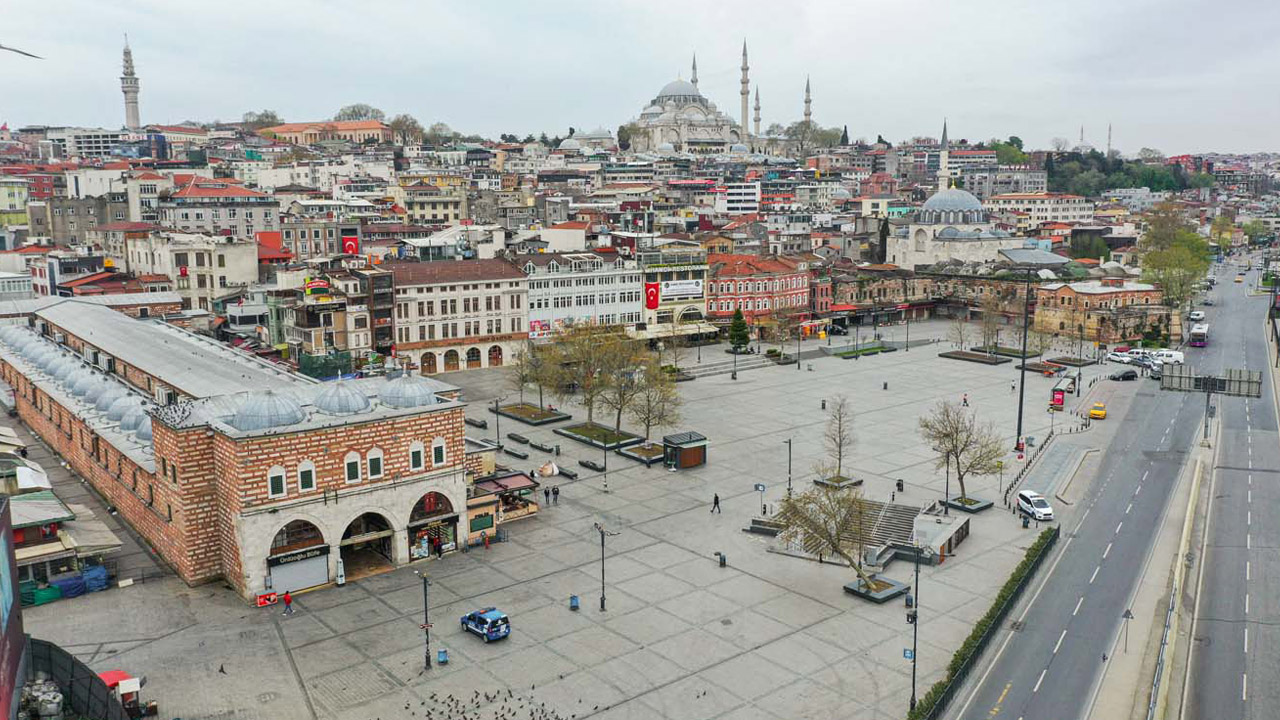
[231,467]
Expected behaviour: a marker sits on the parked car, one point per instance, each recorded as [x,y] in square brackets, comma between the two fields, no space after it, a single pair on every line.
[1136,353]
[1195,315]
[1208,301]
[837,330]
[1174,357]
[1033,504]
[1119,357]
[1098,411]
[489,623]
[1122,349]
[1125,375]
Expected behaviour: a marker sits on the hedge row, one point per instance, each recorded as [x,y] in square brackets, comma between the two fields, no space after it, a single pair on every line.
[973,644]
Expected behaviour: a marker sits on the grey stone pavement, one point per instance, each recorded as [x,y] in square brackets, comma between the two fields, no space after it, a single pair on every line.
[769,636]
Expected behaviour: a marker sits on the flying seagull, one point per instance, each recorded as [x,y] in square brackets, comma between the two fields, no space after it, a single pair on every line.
[20,52]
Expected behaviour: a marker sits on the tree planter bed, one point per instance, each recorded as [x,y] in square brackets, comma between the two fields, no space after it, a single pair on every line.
[647,455]
[972,506]
[599,436]
[887,589]
[974,357]
[530,414]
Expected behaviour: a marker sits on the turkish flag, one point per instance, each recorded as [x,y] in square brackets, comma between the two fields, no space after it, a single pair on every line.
[351,244]
[651,296]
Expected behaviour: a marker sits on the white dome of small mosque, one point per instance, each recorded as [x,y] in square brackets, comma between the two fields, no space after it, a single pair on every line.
[666,147]
[953,200]
[407,391]
[264,410]
[679,88]
[651,111]
[570,144]
[341,399]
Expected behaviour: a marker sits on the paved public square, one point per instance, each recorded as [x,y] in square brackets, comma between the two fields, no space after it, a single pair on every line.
[769,636]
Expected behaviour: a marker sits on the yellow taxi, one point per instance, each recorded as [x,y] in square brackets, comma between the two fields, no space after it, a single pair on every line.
[1239,278]
[1098,411]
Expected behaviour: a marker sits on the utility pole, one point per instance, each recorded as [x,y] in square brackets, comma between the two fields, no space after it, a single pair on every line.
[914,619]
[1128,615]
[603,533]
[788,442]
[497,420]
[1022,378]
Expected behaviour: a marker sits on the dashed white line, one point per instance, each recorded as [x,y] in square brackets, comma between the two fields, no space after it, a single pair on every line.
[1248,570]
[1244,686]
[1145,473]
[1119,526]
[1248,517]
[1064,634]
[1246,603]
[1081,602]
[1126,510]
[1094,576]
[1248,542]
[1106,552]
[1250,496]
[1137,489]
[1246,640]
[1039,680]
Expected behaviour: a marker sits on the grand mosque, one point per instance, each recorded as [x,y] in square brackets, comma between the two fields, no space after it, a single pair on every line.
[681,120]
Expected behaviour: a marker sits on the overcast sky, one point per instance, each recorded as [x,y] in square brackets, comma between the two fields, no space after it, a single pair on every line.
[1177,75]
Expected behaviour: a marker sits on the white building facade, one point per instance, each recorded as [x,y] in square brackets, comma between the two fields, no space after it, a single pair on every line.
[573,288]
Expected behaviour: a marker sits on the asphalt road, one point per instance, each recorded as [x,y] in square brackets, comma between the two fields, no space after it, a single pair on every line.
[1049,668]
[1236,649]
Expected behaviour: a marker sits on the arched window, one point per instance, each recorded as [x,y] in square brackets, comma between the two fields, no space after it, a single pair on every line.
[306,476]
[417,455]
[438,455]
[375,463]
[351,465]
[275,482]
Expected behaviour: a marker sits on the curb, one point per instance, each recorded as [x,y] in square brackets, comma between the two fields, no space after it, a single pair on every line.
[1161,701]
[1075,471]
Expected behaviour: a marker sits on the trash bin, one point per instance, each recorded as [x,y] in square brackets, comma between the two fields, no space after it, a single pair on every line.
[1026,522]
[911,600]
[573,602]
[442,657]
[723,559]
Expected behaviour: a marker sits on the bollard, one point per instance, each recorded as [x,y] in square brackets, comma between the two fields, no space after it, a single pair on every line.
[557,450]
[886,386]
[824,404]
[1026,523]
[723,558]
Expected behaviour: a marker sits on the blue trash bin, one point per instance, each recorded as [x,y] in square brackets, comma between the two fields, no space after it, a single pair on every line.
[573,602]
[442,657]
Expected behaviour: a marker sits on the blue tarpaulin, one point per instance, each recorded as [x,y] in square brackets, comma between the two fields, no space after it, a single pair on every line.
[71,586]
[95,578]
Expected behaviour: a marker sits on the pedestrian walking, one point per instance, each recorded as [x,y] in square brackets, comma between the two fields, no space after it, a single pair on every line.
[546,494]
[1013,386]
[288,603]
[893,496]
[964,402]
[555,495]
[715,503]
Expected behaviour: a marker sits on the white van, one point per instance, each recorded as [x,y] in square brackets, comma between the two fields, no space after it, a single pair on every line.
[1169,357]
[1195,315]
[1137,353]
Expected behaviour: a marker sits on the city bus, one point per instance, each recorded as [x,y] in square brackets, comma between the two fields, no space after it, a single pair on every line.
[1199,335]
[1061,389]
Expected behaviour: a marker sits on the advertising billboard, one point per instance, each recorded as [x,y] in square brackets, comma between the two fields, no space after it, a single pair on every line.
[681,289]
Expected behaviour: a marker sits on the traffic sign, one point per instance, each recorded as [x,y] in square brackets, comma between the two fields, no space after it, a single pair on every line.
[424,626]
[759,487]
[908,653]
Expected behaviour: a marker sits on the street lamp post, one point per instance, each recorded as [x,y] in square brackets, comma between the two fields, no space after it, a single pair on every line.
[497,421]
[603,532]
[605,449]
[426,621]
[1022,378]
[915,628]
[788,442]
[907,313]
[798,334]
[1079,351]
[946,493]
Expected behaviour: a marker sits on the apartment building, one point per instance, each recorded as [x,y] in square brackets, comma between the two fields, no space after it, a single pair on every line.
[459,314]
[204,268]
[739,198]
[595,288]
[217,206]
[1043,207]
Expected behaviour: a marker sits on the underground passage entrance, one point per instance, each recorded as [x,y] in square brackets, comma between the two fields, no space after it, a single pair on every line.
[366,546]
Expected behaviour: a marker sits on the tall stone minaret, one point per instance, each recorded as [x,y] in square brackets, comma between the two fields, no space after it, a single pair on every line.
[694,78]
[808,103]
[757,117]
[944,161]
[745,92]
[129,86]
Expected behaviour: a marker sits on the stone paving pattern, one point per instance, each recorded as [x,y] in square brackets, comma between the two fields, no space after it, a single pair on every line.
[768,636]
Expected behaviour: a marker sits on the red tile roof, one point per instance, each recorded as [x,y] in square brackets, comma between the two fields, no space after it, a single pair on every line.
[725,265]
[571,225]
[452,271]
[210,187]
[327,125]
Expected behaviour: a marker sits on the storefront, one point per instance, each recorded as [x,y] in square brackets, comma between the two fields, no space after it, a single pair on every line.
[516,495]
[685,450]
[299,569]
[433,527]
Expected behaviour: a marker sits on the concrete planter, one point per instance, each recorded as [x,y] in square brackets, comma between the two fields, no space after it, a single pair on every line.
[536,416]
[975,504]
[838,483]
[895,589]
[627,440]
[974,357]
[632,453]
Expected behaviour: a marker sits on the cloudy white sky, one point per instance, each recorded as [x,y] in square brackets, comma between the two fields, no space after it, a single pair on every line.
[1178,75]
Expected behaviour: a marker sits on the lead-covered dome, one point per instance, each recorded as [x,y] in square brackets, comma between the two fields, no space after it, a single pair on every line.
[407,391]
[269,409]
[341,399]
[953,200]
[679,88]
[108,397]
[144,429]
[122,406]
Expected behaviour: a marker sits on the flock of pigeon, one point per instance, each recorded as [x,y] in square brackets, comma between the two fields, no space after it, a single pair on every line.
[500,705]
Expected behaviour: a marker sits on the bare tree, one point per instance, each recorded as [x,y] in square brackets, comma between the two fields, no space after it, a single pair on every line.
[622,376]
[961,442]
[359,111]
[658,403]
[406,128]
[1060,144]
[584,361]
[784,326]
[522,369]
[958,332]
[1038,343]
[990,322]
[829,522]
[671,349]
[838,437]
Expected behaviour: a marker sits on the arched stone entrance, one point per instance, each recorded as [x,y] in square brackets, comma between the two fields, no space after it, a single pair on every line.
[473,358]
[450,360]
[367,546]
[495,356]
[433,526]
[429,364]
[299,557]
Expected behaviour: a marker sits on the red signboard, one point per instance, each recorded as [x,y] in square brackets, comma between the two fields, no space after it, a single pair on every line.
[651,296]
[266,599]
[1059,398]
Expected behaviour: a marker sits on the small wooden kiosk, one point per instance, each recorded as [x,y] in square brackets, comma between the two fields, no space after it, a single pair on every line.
[685,450]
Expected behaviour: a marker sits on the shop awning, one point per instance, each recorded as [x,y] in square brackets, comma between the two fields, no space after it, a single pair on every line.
[510,483]
[658,331]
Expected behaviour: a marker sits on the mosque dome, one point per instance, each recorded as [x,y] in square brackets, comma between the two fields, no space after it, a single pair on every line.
[570,144]
[651,111]
[269,409]
[666,147]
[341,399]
[953,200]
[110,394]
[407,391]
[144,429]
[679,88]
[133,418]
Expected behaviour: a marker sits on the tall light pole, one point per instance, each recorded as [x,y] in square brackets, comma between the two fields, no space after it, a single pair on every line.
[1022,377]
[915,626]
[497,420]
[798,334]
[788,442]
[603,533]
[426,621]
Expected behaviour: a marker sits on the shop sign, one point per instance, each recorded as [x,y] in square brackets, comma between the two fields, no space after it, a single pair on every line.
[676,289]
[299,556]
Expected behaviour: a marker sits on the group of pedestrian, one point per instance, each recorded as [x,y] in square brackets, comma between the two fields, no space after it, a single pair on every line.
[551,495]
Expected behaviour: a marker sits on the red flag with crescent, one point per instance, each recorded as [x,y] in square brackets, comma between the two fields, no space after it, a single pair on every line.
[651,296]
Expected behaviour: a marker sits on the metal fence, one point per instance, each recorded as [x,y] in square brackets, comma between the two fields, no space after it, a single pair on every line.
[84,693]
[958,679]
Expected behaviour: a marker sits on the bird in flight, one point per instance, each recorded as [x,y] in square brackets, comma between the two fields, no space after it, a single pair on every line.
[20,52]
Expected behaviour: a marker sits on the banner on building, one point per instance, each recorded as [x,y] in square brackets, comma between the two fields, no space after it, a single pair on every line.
[350,242]
[679,289]
[651,296]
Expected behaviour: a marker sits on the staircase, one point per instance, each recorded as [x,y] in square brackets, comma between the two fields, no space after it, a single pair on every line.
[725,366]
[885,524]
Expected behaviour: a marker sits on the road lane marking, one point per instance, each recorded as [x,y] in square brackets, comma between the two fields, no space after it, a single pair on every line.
[1106,552]
[1246,603]
[1144,474]
[1119,526]
[1248,542]
[1248,570]
[1082,517]
[995,710]
[1039,680]
[1246,639]
[1250,496]
[1137,489]
[1244,686]
[1126,510]
[1094,575]
[1081,602]
[1248,518]
[1064,634]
